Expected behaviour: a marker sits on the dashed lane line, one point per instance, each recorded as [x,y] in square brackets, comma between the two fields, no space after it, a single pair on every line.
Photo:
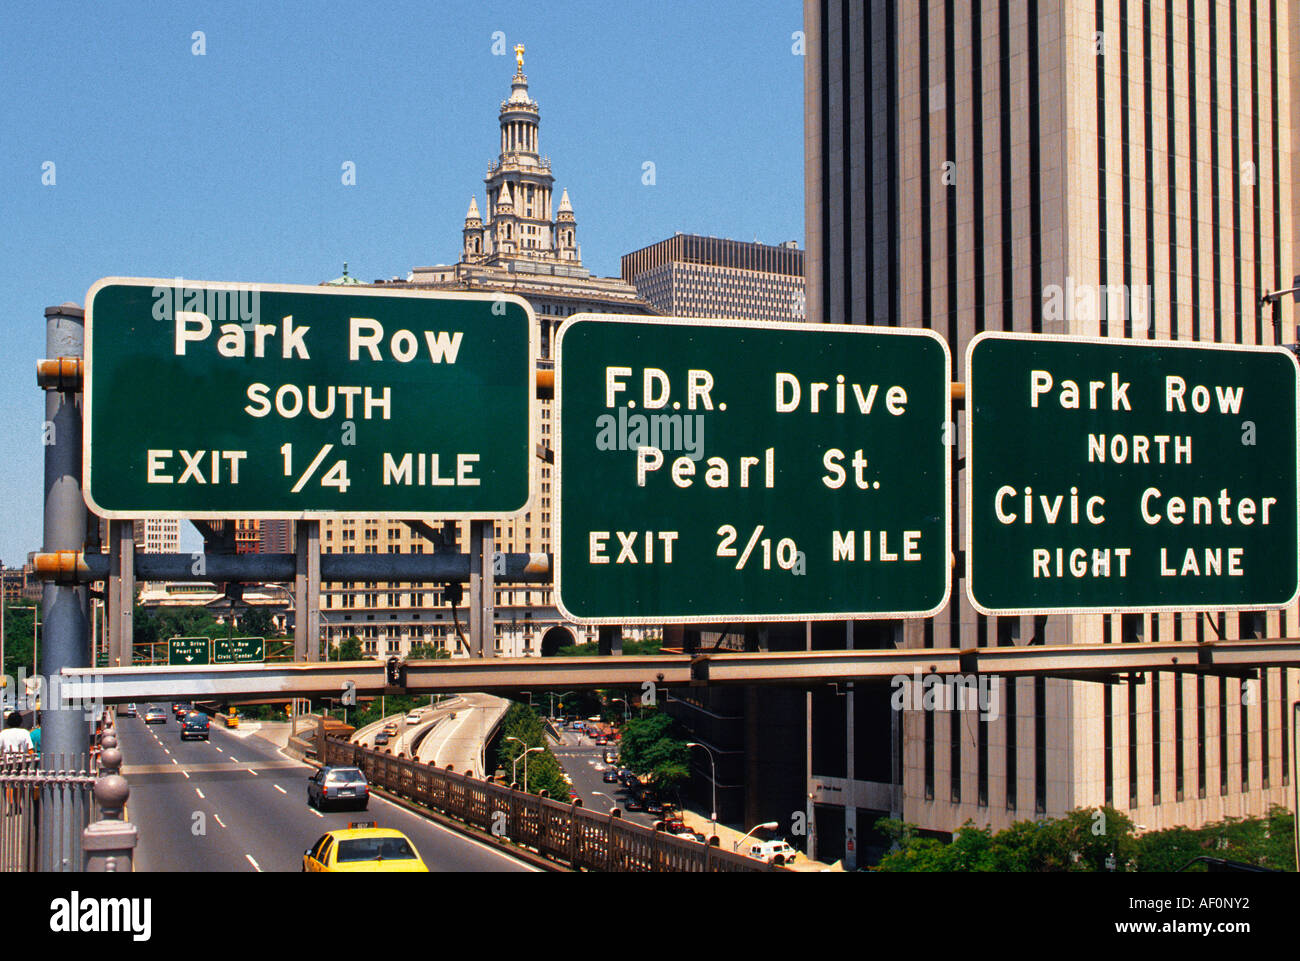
[255,865]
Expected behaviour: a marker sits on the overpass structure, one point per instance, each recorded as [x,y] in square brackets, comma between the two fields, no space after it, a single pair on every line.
[1096,662]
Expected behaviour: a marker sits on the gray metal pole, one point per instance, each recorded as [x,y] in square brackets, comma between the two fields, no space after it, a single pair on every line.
[65,733]
[121,593]
[306,593]
[476,642]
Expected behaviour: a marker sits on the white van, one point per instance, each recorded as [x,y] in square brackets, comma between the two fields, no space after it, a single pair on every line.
[773,852]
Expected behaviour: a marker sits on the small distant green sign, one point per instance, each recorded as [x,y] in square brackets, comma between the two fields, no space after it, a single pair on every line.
[238,650]
[185,651]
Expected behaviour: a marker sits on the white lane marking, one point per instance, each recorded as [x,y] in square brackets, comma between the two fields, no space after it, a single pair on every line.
[219,749]
[251,771]
[457,835]
[315,812]
[187,774]
[165,751]
[280,789]
[199,793]
[218,819]
[174,761]
[233,759]
[253,863]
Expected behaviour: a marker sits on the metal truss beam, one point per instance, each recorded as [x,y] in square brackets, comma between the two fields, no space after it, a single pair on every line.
[1099,662]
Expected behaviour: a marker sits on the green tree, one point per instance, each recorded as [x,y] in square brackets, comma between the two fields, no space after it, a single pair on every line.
[18,640]
[257,622]
[348,649]
[650,747]
[544,770]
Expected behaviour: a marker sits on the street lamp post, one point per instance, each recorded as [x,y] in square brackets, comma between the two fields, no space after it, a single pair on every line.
[713,780]
[766,825]
[626,713]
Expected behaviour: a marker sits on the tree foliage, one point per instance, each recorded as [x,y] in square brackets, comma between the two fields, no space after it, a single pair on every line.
[1090,839]
[544,770]
[650,747]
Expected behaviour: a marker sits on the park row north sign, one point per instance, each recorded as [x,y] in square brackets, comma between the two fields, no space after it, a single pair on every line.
[1118,475]
[230,400]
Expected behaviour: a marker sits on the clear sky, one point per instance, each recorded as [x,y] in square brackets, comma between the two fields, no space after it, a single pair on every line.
[229,165]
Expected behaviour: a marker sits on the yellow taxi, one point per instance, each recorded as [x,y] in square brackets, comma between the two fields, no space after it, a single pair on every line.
[363,847]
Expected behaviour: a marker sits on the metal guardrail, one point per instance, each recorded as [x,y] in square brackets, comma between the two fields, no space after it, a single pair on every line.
[565,833]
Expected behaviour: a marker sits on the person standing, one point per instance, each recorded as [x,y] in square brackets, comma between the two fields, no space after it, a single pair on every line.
[15,739]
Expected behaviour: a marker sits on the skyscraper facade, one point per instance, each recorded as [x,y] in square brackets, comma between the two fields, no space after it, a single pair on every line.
[692,276]
[965,163]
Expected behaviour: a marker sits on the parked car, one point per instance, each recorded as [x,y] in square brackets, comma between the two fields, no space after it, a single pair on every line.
[339,785]
[153,714]
[633,803]
[195,726]
[611,777]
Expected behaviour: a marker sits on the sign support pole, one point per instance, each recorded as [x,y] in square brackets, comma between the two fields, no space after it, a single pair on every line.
[121,593]
[306,592]
[65,733]
[475,588]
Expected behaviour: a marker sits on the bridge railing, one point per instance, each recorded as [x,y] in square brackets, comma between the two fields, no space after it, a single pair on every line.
[565,833]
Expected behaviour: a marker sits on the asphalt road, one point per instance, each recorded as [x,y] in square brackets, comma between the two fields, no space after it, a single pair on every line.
[583,761]
[236,804]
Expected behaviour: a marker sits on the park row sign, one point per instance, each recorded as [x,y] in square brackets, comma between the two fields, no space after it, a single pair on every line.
[225,400]
[1109,475]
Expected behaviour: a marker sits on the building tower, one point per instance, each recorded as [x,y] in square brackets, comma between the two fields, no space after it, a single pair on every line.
[522,246]
[473,232]
[566,228]
[989,153]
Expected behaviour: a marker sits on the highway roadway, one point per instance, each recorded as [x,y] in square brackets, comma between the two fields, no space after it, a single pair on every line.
[584,761]
[237,804]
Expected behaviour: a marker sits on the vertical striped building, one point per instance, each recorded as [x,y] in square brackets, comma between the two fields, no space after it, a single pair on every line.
[965,161]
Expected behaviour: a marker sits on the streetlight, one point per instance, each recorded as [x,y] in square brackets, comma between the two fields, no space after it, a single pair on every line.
[514,764]
[607,798]
[765,826]
[626,715]
[713,772]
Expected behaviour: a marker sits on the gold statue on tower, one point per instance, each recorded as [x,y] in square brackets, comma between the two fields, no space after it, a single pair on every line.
[519,56]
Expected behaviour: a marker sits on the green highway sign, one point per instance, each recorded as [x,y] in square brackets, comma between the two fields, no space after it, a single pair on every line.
[238,650]
[235,400]
[183,651]
[721,471]
[1127,476]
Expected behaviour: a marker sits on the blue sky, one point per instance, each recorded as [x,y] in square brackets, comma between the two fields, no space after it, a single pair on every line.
[228,166]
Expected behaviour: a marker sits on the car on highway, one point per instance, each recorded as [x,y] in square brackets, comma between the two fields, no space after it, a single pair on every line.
[195,726]
[129,710]
[611,777]
[391,729]
[337,784]
[180,709]
[362,847]
[634,803]
[381,739]
[414,717]
[153,714]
